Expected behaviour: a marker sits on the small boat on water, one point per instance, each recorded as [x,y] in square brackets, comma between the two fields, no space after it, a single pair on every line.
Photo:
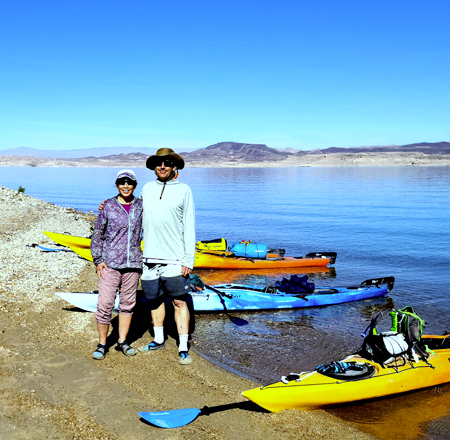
[206,259]
[314,390]
[238,297]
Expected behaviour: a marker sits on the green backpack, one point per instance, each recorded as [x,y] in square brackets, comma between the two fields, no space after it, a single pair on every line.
[406,321]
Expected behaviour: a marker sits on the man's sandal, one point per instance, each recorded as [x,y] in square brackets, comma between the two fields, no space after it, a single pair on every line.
[152,346]
[100,352]
[125,348]
[185,359]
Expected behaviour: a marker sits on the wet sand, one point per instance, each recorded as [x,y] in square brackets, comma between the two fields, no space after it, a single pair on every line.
[52,388]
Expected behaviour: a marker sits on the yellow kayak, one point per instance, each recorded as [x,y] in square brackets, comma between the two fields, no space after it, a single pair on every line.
[80,245]
[213,259]
[210,260]
[313,390]
[69,240]
[83,252]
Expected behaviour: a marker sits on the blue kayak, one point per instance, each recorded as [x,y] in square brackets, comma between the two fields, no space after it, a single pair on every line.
[242,297]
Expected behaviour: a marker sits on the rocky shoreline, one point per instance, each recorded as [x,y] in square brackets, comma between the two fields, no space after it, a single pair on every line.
[52,388]
[385,159]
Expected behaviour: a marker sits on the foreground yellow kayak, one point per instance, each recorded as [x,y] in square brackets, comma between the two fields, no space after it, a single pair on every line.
[313,390]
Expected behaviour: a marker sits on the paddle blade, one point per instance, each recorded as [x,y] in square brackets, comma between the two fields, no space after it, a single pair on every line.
[48,249]
[171,419]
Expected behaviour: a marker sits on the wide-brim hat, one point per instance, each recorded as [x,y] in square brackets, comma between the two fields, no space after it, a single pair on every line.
[155,160]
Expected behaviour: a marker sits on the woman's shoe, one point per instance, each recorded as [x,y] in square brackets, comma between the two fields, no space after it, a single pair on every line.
[125,348]
[100,352]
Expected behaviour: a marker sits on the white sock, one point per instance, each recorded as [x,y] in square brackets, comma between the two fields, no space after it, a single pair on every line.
[159,334]
[183,343]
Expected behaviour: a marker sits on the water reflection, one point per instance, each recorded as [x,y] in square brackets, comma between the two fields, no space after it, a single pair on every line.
[406,416]
[263,277]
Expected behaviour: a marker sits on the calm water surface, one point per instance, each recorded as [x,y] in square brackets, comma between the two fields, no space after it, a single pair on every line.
[380,221]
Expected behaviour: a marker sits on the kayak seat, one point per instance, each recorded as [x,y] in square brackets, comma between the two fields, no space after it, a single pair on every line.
[280,252]
[348,371]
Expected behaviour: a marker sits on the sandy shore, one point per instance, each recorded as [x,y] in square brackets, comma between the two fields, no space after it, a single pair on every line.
[52,388]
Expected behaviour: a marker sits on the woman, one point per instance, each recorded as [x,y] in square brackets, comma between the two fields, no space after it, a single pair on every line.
[116,251]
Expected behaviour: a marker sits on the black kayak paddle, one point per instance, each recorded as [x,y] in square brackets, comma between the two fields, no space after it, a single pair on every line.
[180,417]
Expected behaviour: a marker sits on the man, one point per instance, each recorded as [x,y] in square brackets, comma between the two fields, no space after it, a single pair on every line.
[169,247]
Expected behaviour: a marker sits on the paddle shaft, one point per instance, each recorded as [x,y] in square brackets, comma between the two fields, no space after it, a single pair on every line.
[234,320]
[219,292]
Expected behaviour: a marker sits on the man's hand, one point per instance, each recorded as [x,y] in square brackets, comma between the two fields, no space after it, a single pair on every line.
[185,271]
[101,206]
[102,266]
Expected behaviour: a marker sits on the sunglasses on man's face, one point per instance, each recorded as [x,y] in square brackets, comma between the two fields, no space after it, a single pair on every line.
[167,162]
[125,180]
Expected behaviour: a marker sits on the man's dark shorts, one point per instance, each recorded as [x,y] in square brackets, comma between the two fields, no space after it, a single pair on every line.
[173,286]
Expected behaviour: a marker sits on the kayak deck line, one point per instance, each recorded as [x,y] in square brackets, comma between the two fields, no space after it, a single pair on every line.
[340,382]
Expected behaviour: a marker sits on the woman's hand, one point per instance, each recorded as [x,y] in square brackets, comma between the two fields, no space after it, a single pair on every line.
[102,266]
[101,206]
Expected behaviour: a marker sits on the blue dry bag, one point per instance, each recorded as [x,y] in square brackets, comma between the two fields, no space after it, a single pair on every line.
[247,249]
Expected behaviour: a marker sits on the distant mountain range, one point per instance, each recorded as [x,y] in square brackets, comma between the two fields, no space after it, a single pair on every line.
[239,152]
[232,154]
[422,147]
[235,151]
[224,151]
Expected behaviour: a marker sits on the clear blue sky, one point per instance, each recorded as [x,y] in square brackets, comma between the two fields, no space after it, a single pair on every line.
[186,74]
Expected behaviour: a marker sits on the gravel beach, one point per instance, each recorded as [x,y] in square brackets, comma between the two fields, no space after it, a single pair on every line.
[52,388]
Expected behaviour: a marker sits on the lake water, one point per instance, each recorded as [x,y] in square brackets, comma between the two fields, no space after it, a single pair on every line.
[380,221]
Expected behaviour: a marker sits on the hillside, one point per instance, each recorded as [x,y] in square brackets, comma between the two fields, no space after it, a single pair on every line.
[422,147]
[237,154]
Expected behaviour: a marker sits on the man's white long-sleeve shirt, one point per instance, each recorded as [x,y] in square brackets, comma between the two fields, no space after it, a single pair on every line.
[169,223]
